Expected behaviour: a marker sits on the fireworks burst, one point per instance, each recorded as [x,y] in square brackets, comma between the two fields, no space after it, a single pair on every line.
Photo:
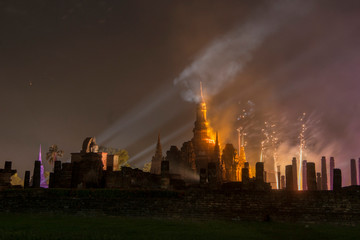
[302,148]
[269,146]
[244,120]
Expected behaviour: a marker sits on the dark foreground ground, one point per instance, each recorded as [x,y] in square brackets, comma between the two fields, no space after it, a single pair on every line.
[27,226]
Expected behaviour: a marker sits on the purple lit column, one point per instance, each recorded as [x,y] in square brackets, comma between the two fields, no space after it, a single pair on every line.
[43,182]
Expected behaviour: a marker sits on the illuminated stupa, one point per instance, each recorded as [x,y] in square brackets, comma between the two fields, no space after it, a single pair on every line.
[204,146]
[202,155]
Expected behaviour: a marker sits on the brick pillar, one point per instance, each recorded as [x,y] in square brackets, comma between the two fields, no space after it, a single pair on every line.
[324,185]
[278,177]
[294,174]
[7,166]
[27,179]
[304,175]
[353,172]
[282,182]
[56,175]
[289,178]
[36,175]
[332,166]
[246,165]
[259,171]
[337,179]
[57,166]
[318,181]
[311,176]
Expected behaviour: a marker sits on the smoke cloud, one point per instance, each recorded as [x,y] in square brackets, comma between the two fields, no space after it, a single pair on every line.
[310,71]
[218,64]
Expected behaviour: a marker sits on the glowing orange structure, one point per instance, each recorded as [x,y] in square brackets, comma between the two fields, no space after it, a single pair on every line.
[203,144]
[202,154]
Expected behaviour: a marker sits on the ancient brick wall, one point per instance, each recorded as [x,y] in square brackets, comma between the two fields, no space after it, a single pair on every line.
[319,206]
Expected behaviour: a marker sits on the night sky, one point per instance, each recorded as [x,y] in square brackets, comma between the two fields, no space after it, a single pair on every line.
[124,71]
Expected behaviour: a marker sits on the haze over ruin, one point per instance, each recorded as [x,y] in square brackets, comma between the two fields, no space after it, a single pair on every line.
[129,71]
[180,119]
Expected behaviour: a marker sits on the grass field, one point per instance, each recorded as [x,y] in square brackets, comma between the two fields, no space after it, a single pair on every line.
[26,226]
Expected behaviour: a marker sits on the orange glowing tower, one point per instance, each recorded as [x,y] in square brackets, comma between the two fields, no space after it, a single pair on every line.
[203,144]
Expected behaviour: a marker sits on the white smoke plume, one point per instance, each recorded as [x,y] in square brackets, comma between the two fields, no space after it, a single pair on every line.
[220,62]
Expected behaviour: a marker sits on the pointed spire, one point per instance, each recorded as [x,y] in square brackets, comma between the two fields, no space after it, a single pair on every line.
[158,142]
[40,154]
[43,183]
[157,158]
[201,92]
[158,151]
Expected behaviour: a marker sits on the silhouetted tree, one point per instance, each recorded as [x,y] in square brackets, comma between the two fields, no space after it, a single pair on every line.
[16,180]
[53,153]
[147,167]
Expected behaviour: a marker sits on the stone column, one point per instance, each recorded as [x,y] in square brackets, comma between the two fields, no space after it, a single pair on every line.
[294,173]
[337,179]
[332,166]
[282,182]
[27,179]
[318,181]
[245,173]
[57,174]
[311,176]
[278,177]
[324,185]
[7,166]
[112,162]
[36,174]
[246,165]
[259,171]
[353,172]
[289,178]
[304,175]
[57,166]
